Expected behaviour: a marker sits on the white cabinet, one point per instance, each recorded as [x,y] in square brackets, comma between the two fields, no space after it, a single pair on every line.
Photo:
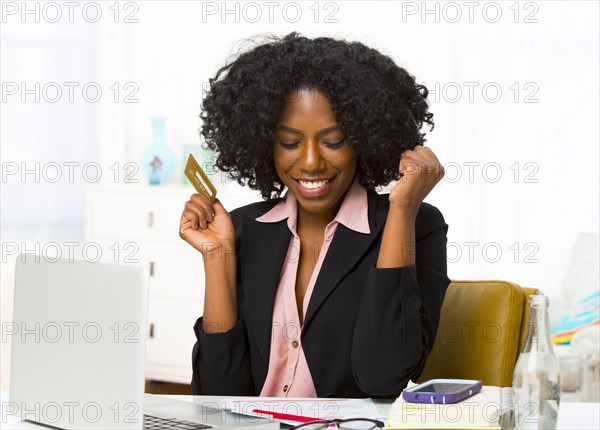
[135,224]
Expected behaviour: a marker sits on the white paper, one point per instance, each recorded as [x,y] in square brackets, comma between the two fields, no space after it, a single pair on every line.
[313,408]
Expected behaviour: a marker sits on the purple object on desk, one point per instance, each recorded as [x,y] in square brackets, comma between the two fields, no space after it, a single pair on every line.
[442,391]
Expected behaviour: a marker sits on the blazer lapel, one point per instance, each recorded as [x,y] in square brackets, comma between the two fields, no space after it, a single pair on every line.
[263,253]
[345,250]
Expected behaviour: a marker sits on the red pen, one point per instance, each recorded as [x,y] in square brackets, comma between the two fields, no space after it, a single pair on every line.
[286,417]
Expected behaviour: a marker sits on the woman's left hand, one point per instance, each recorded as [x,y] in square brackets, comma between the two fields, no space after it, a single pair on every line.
[420,171]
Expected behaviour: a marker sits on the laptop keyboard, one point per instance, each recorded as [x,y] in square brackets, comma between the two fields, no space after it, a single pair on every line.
[156,423]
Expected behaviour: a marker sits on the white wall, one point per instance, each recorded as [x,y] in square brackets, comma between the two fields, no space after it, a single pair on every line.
[550,52]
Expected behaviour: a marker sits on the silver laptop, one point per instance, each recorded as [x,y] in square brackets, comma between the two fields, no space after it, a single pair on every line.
[78,349]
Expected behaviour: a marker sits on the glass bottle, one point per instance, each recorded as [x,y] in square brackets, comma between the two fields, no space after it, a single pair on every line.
[536,380]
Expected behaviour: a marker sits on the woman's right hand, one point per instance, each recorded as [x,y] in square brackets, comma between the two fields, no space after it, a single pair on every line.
[208,228]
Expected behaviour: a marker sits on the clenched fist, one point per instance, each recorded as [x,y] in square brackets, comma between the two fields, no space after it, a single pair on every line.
[420,171]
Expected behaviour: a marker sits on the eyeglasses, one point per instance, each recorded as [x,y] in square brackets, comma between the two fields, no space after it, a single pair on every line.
[349,424]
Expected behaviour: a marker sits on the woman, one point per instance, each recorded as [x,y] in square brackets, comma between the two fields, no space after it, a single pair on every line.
[332,290]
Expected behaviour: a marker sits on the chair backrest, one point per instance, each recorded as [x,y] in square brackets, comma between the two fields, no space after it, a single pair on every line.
[481,332]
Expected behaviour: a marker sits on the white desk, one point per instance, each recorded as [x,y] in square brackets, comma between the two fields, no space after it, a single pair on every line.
[572,416]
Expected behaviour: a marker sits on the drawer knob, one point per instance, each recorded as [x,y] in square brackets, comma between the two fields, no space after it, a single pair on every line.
[152,268]
[150,219]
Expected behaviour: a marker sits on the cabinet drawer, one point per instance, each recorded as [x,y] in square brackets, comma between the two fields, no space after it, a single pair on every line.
[147,215]
[135,216]
[176,269]
[171,339]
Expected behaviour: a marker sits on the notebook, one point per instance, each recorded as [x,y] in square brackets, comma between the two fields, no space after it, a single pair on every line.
[481,411]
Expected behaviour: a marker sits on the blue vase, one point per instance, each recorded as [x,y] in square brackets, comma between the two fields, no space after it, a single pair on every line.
[158,161]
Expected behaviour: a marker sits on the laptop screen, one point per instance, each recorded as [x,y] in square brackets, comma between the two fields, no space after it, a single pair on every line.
[78,343]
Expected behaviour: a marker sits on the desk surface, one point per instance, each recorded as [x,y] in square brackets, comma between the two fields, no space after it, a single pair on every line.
[571,416]
[575,416]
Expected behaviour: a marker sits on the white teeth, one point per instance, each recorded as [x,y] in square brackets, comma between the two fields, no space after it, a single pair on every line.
[312,185]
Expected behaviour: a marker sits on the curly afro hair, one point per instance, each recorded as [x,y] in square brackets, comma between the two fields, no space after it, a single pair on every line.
[378,104]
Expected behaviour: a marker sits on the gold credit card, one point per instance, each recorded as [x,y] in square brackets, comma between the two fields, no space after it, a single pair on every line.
[199,180]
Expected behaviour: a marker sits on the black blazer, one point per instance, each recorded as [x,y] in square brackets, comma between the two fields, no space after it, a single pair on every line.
[367,331]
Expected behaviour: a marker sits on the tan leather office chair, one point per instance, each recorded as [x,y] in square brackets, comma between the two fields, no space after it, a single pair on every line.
[482,329]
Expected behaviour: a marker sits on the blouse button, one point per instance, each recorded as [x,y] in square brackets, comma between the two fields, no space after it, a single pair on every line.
[285,388]
[295,344]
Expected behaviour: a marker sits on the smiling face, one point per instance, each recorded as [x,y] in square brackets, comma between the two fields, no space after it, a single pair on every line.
[312,155]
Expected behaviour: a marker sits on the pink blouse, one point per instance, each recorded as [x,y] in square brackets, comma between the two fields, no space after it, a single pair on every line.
[288,373]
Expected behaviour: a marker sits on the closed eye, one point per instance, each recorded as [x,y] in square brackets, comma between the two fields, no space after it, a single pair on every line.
[289,145]
[334,145]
